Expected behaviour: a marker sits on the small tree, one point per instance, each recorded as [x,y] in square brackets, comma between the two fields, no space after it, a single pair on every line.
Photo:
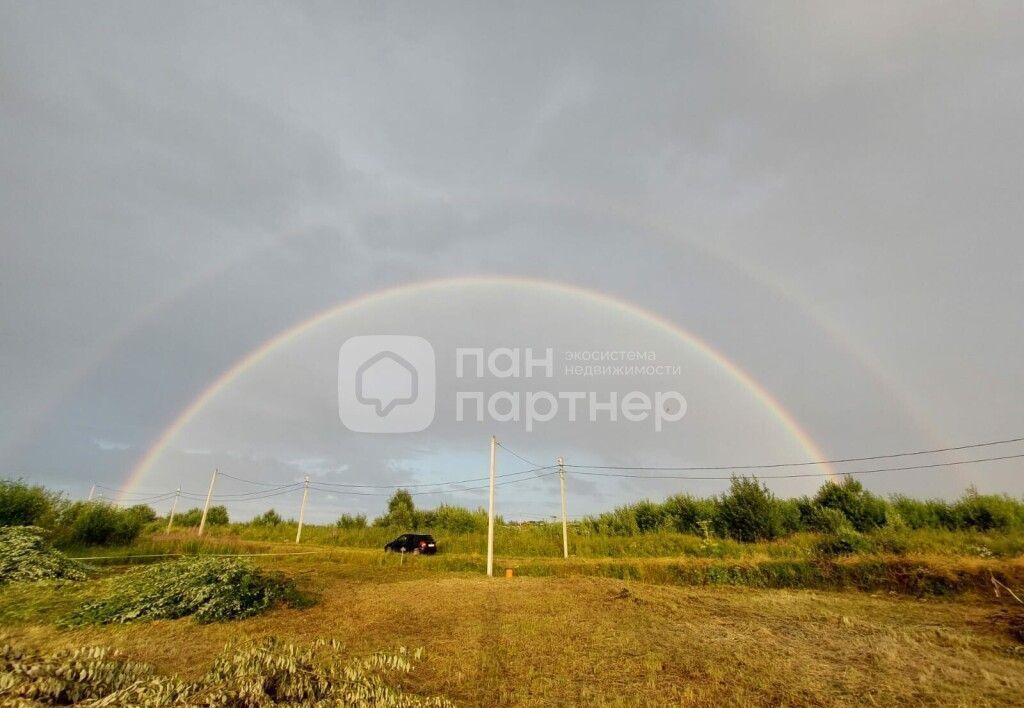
[351,522]
[649,516]
[98,523]
[267,518]
[217,516]
[748,512]
[684,513]
[864,510]
[22,505]
[143,512]
[401,511]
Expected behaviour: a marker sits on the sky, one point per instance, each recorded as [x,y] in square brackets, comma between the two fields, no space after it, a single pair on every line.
[828,198]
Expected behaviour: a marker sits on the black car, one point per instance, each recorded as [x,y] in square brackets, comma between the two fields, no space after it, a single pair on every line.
[412,543]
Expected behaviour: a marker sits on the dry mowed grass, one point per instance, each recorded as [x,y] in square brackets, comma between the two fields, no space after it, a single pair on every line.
[598,641]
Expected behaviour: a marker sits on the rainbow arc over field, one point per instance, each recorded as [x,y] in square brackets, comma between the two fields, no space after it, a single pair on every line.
[623,307]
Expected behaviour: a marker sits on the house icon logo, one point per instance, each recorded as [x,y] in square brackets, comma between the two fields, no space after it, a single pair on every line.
[386,384]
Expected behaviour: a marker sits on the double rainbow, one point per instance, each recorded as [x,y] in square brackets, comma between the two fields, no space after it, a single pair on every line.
[770,403]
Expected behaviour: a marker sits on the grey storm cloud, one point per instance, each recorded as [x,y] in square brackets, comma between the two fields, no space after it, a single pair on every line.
[830,195]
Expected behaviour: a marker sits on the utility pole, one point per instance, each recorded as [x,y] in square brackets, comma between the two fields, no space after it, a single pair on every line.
[206,507]
[565,524]
[174,506]
[302,510]
[92,492]
[490,514]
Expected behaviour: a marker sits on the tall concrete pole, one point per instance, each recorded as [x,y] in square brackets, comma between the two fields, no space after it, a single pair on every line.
[174,506]
[490,513]
[206,507]
[302,510]
[565,523]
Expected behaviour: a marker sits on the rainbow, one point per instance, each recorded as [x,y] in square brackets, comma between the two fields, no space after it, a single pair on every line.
[290,334]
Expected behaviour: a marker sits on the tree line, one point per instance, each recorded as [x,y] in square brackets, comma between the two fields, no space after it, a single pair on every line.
[747,512]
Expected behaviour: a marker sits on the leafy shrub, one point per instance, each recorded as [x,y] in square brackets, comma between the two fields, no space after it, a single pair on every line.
[649,516]
[22,505]
[267,518]
[830,521]
[207,589]
[930,514]
[250,675]
[684,513]
[25,555]
[842,542]
[618,522]
[986,512]
[456,519]
[401,511]
[143,512]
[351,522]
[864,510]
[791,515]
[892,540]
[216,516]
[97,523]
[748,512]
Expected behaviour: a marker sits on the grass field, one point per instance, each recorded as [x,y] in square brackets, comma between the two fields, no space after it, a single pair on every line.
[579,636]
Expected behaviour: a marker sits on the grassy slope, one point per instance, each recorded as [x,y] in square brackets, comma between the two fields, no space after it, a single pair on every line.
[545,541]
[557,641]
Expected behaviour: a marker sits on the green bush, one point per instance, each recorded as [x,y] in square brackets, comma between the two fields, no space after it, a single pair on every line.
[864,510]
[401,512]
[267,518]
[684,513]
[748,512]
[618,522]
[24,505]
[455,519]
[649,516]
[217,516]
[97,524]
[143,512]
[842,542]
[986,512]
[892,540]
[351,522]
[26,556]
[248,675]
[929,514]
[829,521]
[791,515]
[208,589]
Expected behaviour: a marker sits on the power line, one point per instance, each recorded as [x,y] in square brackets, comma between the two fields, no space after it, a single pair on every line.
[798,474]
[801,464]
[432,484]
[244,496]
[247,481]
[445,491]
[516,454]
